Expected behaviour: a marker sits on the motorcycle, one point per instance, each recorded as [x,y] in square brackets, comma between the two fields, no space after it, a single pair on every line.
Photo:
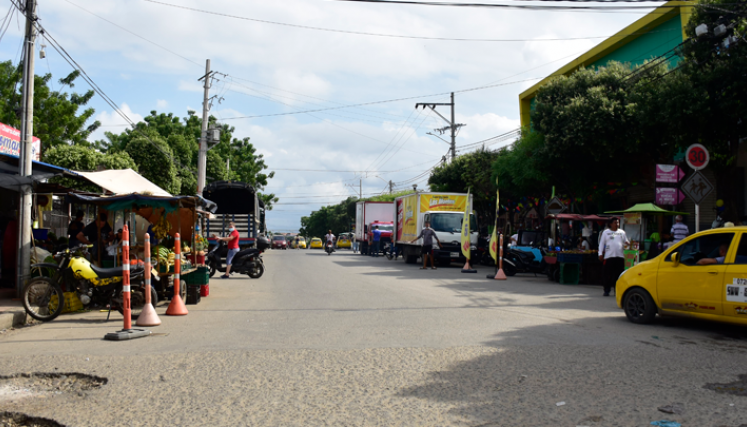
[247,261]
[329,248]
[43,296]
[518,261]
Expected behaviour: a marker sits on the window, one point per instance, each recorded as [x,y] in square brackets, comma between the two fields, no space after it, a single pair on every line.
[451,222]
[279,238]
[742,250]
[708,246]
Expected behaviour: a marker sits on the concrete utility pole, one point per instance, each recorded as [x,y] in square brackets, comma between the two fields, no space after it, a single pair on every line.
[24,162]
[202,155]
[391,185]
[453,126]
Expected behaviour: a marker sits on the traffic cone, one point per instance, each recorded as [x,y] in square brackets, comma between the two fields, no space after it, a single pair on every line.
[176,306]
[500,275]
[148,317]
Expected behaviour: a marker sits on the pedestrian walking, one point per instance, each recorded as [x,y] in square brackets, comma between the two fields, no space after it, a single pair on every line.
[679,229]
[376,241]
[428,235]
[611,247]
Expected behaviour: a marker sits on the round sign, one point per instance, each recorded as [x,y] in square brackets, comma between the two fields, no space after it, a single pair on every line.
[697,157]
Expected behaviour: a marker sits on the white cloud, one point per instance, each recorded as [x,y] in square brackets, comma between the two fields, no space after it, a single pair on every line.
[111,121]
[162,104]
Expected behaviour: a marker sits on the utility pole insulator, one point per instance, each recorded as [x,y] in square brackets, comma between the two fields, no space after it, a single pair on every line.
[453,126]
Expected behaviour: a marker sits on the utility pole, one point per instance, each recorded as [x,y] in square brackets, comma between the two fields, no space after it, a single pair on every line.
[391,185]
[202,155]
[453,126]
[360,189]
[24,161]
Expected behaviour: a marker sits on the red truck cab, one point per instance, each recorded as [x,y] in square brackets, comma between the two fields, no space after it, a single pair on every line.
[387,228]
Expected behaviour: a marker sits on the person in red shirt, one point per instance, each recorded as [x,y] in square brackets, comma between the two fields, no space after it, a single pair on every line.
[233,247]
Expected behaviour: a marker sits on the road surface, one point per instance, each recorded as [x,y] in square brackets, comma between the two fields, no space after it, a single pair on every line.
[347,340]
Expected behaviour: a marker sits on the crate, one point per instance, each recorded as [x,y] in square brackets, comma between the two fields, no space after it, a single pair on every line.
[570,258]
[193,294]
[569,273]
[201,276]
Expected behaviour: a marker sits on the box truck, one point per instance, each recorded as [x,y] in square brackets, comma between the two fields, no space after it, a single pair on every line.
[371,214]
[445,212]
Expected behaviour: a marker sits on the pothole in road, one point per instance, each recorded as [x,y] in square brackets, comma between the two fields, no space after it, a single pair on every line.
[736,388]
[21,386]
[16,419]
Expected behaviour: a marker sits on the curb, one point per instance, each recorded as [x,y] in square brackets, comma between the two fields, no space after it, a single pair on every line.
[11,319]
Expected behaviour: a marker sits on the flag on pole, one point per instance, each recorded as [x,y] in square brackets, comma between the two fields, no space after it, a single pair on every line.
[466,228]
[494,237]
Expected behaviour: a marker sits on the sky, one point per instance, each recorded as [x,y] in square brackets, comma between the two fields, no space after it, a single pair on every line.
[281,61]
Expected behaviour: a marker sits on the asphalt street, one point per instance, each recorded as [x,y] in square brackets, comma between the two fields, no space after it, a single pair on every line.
[351,340]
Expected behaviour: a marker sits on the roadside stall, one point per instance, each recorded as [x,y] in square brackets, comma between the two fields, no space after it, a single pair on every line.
[570,263]
[161,217]
[637,220]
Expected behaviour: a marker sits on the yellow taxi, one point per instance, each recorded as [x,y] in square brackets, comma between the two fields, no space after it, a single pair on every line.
[703,276]
[300,243]
[344,241]
[316,243]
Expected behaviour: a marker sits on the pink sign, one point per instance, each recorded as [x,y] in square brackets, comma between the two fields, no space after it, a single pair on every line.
[669,173]
[10,142]
[669,196]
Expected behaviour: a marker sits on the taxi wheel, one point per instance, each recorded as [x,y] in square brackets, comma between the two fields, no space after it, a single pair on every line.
[639,306]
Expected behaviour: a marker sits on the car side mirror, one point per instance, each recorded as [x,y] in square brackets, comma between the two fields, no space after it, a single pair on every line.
[675,257]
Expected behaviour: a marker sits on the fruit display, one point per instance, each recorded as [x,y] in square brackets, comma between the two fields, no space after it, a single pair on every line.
[162,227]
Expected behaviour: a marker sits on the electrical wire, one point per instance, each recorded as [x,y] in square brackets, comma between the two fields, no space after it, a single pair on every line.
[402,36]
[564,8]
[7,21]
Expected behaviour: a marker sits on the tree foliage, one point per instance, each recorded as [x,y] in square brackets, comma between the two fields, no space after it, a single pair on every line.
[57,119]
[81,158]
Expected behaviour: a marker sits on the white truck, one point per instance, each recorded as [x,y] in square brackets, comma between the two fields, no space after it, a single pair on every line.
[370,214]
[445,212]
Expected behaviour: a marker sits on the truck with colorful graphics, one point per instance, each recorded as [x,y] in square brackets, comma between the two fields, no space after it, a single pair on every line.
[445,212]
[369,215]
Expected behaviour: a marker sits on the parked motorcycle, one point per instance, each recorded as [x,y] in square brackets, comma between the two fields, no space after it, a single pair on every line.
[247,261]
[519,261]
[43,297]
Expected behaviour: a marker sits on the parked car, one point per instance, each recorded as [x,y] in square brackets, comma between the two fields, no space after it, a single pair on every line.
[279,242]
[301,243]
[345,241]
[703,276]
[316,243]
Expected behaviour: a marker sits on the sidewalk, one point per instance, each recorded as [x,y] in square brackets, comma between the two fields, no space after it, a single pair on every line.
[12,313]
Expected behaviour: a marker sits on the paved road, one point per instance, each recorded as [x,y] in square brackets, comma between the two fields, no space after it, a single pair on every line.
[350,340]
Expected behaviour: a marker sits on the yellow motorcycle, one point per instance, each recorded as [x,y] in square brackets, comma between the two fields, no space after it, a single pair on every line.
[43,297]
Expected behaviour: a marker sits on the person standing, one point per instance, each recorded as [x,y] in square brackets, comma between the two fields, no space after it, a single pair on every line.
[376,235]
[98,233]
[75,227]
[679,230]
[611,247]
[233,247]
[428,235]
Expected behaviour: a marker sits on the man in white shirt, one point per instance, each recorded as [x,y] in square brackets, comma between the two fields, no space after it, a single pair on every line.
[679,230]
[330,239]
[612,243]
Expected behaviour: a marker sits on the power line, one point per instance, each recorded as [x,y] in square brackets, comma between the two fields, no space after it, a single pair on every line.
[564,8]
[402,36]
[382,102]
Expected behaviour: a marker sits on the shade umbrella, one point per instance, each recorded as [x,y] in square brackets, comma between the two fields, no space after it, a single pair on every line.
[648,208]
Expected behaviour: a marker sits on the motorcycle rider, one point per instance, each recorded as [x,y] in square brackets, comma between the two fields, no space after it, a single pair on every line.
[233,247]
[330,239]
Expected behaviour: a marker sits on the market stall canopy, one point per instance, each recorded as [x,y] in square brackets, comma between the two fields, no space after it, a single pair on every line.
[10,179]
[647,208]
[596,218]
[565,217]
[123,181]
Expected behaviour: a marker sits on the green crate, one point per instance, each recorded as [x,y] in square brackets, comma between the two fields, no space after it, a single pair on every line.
[201,276]
[569,273]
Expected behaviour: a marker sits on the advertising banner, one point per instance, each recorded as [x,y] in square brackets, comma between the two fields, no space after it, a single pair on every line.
[669,173]
[669,196]
[407,220]
[442,203]
[10,142]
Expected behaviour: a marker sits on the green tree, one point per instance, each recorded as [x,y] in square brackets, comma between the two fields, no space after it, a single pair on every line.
[154,162]
[57,119]
[81,158]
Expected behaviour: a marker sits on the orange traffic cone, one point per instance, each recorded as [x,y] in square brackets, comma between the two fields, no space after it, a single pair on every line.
[177,307]
[500,275]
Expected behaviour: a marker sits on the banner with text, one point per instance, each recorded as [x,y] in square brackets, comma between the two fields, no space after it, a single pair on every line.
[442,203]
[10,142]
